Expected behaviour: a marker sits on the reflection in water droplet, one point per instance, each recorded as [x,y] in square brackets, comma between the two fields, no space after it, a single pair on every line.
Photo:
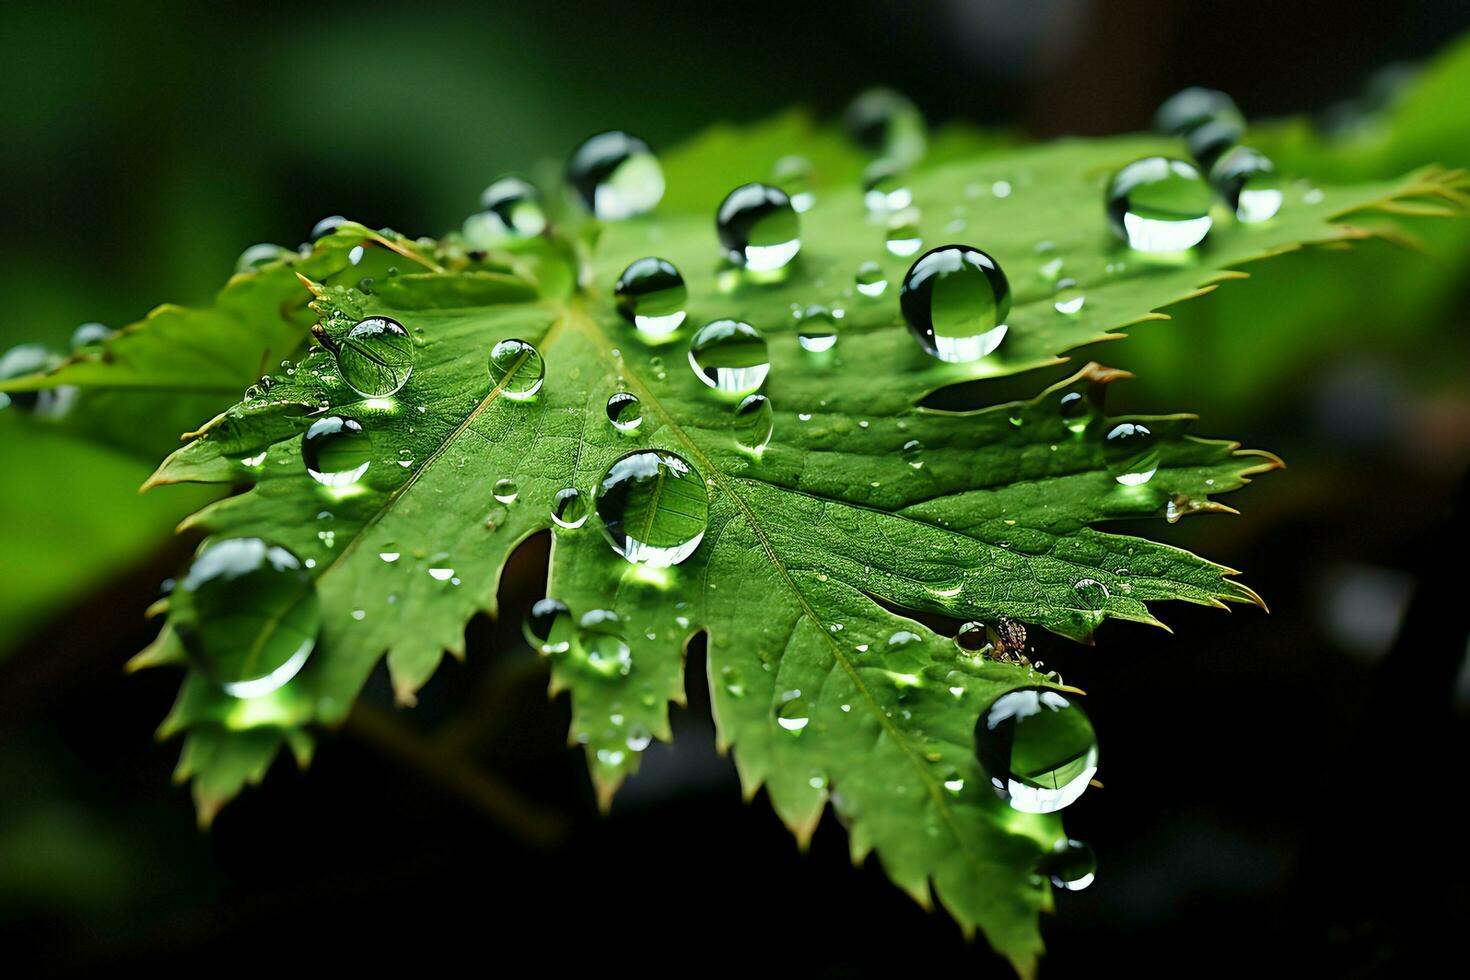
[1092,595]
[506,491]
[651,295]
[758,227]
[602,644]
[817,331]
[337,451]
[569,509]
[1159,205]
[376,357]
[1248,182]
[548,627]
[870,280]
[793,713]
[654,507]
[1038,749]
[624,411]
[730,356]
[510,210]
[517,369]
[248,615]
[616,175]
[1071,865]
[755,420]
[955,300]
[1131,452]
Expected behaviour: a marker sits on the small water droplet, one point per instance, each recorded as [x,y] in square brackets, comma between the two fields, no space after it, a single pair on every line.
[1131,452]
[886,188]
[375,359]
[1247,181]
[569,509]
[902,238]
[971,637]
[257,257]
[651,295]
[1092,595]
[654,507]
[730,356]
[517,369]
[337,451]
[325,227]
[758,227]
[616,175]
[755,420]
[602,644]
[1159,205]
[441,574]
[1076,410]
[870,280]
[1187,110]
[887,123]
[506,491]
[1071,865]
[624,411]
[955,300]
[639,738]
[510,210]
[1038,749]
[548,627]
[793,713]
[1069,299]
[817,330]
[390,556]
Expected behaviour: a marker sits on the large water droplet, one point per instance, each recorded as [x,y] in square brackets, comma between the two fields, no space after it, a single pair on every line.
[793,175]
[1248,182]
[569,508]
[730,356]
[337,451]
[1131,452]
[1159,205]
[506,491]
[1038,749]
[624,411]
[651,295]
[517,369]
[817,331]
[247,612]
[1071,865]
[887,123]
[755,420]
[955,300]
[870,280]
[1183,112]
[1092,595]
[510,209]
[617,176]
[376,357]
[654,507]
[758,227]
[548,627]
[602,643]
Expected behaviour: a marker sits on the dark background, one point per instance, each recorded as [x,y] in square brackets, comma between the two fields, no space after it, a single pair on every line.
[1279,789]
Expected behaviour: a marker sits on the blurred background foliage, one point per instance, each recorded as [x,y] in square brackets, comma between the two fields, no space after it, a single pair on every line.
[148,144]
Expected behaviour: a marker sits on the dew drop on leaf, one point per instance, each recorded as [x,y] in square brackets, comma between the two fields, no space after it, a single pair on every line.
[902,238]
[886,188]
[247,613]
[1091,594]
[1247,181]
[1076,410]
[1069,299]
[1131,452]
[870,280]
[257,257]
[325,227]
[616,175]
[651,295]
[971,637]
[730,356]
[1159,205]
[376,357]
[755,420]
[817,331]
[337,451]
[1071,865]
[886,123]
[1209,141]
[600,639]
[624,411]
[510,210]
[569,508]
[653,506]
[955,300]
[758,228]
[506,491]
[1037,748]
[1187,110]
[516,369]
[793,714]
[548,627]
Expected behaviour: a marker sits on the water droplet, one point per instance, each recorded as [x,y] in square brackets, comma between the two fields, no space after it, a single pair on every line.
[506,491]
[247,613]
[793,175]
[617,176]
[758,227]
[654,507]
[955,300]
[1092,595]
[870,280]
[730,356]
[639,738]
[1038,749]
[1076,410]
[256,257]
[904,638]
[651,295]
[1248,182]
[89,335]
[548,627]
[755,420]
[1183,112]
[903,237]
[510,209]
[517,369]
[954,783]
[376,357]
[441,573]
[1051,269]
[1131,452]
[793,713]
[1159,205]
[624,411]
[912,453]
[602,643]
[390,556]
[886,188]
[1209,141]
[337,451]
[325,227]
[569,508]
[1071,865]
[1069,299]
[817,331]
[971,637]
[255,460]
[888,123]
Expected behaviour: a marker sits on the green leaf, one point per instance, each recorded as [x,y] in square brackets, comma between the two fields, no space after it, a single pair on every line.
[811,546]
